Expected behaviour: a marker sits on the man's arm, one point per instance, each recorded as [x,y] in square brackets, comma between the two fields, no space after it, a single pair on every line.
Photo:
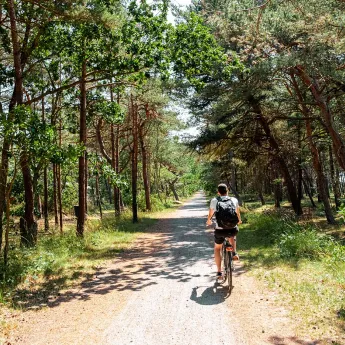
[238,214]
[209,218]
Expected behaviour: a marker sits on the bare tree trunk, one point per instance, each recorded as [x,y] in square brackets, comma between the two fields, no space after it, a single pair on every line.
[277,195]
[335,180]
[173,189]
[296,203]
[321,179]
[307,190]
[299,185]
[233,188]
[58,174]
[99,201]
[86,179]
[261,197]
[82,141]
[56,217]
[45,183]
[28,225]
[144,167]
[59,196]
[115,157]
[8,208]
[117,193]
[134,157]
[45,199]
[3,182]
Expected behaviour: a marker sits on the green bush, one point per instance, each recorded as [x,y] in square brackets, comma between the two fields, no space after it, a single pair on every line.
[295,240]
[156,203]
[302,243]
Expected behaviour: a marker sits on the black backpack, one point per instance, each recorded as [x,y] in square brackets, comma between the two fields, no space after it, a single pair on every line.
[226,215]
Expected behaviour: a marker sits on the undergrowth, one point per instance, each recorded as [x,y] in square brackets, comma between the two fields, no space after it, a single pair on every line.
[303,264]
[60,259]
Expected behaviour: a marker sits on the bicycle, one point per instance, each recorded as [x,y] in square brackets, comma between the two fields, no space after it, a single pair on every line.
[227,262]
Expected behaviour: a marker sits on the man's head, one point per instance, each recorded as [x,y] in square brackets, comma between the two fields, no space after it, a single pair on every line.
[222,189]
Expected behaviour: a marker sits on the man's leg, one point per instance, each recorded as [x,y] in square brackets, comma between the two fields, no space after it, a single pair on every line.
[232,241]
[217,258]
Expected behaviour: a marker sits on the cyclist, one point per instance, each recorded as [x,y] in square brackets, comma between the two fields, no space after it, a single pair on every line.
[219,232]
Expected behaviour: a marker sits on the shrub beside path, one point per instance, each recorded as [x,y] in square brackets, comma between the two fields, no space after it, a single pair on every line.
[161,291]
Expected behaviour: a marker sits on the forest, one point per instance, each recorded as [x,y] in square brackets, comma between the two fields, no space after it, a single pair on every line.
[90,127]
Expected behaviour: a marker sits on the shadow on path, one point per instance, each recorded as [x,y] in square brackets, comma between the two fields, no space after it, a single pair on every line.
[212,295]
[166,251]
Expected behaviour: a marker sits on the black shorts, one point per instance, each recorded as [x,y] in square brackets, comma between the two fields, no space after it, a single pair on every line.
[219,235]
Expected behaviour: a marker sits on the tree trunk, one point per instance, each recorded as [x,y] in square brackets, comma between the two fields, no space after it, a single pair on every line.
[117,193]
[56,217]
[45,184]
[134,156]
[261,197]
[99,201]
[28,225]
[299,184]
[232,186]
[277,195]
[306,188]
[59,196]
[321,179]
[8,208]
[82,167]
[296,203]
[86,178]
[45,199]
[17,96]
[115,156]
[144,167]
[3,182]
[337,141]
[173,189]
[334,180]
[59,187]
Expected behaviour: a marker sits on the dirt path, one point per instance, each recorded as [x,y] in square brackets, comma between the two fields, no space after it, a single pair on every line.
[162,293]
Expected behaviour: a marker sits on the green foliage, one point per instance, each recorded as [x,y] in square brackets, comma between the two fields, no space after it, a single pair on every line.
[296,241]
[111,112]
[302,243]
[99,166]
[64,255]
[156,203]
[196,54]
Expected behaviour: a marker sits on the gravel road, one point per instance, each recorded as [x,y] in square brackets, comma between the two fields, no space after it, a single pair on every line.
[180,303]
[161,292]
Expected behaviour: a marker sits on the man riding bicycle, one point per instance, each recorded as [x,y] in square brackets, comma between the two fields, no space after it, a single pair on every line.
[221,232]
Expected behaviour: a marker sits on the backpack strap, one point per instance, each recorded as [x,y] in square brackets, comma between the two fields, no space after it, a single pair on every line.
[218,200]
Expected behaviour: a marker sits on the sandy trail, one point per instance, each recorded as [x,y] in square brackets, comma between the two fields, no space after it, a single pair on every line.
[161,292]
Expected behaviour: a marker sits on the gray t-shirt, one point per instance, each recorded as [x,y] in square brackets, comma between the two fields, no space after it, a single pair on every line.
[213,206]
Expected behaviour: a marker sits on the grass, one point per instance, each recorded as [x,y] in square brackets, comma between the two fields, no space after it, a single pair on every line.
[60,260]
[303,264]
